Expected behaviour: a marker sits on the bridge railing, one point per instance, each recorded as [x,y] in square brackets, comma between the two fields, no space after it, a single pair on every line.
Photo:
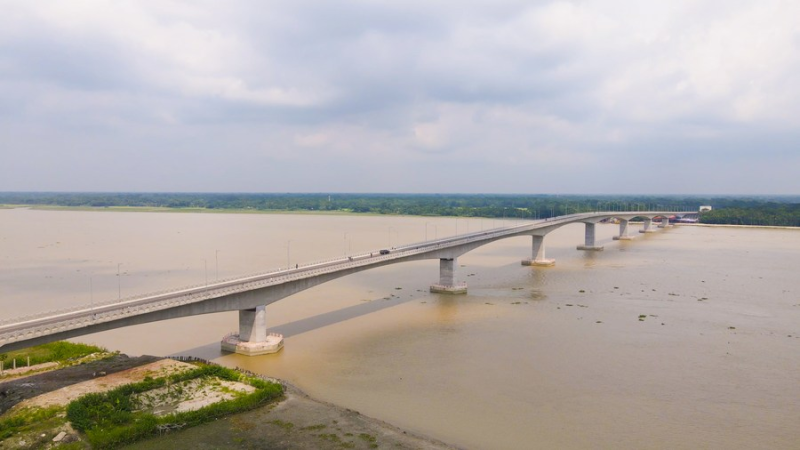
[203,291]
[299,271]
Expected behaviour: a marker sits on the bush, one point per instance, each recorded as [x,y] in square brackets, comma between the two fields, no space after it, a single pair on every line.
[108,419]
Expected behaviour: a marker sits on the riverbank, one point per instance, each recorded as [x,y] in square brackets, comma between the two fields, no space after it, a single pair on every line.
[295,422]
[191,210]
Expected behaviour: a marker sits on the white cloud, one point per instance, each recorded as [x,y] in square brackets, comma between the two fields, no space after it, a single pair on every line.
[555,86]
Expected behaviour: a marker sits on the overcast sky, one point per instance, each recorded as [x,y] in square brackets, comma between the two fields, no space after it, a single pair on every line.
[607,96]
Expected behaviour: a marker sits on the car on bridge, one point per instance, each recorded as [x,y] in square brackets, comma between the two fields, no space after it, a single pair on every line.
[384,252]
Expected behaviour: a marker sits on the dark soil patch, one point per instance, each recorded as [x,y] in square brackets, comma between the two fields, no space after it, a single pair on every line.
[19,389]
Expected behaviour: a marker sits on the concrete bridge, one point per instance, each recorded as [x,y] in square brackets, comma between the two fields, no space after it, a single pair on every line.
[251,294]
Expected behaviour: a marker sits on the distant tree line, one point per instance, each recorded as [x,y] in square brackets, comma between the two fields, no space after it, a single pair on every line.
[779,211]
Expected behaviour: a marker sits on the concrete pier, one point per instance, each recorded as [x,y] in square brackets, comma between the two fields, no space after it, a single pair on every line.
[253,338]
[537,254]
[664,223]
[447,276]
[647,228]
[589,240]
[623,231]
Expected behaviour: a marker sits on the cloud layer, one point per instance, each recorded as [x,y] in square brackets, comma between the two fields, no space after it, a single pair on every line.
[363,96]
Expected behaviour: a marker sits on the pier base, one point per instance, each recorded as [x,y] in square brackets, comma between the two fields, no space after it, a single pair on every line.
[596,248]
[623,231]
[453,290]
[447,279]
[544,262]
[646,228]
[253,338]
[232,343]
[538,258]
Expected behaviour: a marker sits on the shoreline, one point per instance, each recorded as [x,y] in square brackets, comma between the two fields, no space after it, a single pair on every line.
[164,209]
[296,421]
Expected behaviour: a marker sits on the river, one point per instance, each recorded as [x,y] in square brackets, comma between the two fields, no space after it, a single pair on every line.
[685,338]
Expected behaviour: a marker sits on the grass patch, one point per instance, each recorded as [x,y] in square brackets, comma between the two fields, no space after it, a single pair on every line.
[31,421]
[110,419]
[367,437]
[287,426]
[60,351]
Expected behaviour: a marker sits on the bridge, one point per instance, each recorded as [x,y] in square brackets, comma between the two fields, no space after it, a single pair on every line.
[251,294]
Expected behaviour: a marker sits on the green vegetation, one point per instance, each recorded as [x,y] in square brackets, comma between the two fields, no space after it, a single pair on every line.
[54,351]
[778,210]
[111,419]
[31,421]
[285,425]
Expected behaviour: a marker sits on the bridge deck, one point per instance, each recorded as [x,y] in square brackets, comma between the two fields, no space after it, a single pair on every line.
[25,328]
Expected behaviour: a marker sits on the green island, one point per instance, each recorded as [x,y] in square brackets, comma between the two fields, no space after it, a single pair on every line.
[741,210]
[84,397]
[170,397]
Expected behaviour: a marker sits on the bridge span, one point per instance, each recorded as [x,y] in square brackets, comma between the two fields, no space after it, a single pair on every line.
[251,294]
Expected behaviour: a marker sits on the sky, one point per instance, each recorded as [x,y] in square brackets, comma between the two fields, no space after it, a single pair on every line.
[501,96]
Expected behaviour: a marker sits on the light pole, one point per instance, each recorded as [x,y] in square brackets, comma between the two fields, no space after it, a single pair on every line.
[426,231]
[288,249]
[216,264]
[119,284]
[390,237]
[345,244]
[91,292]
[205,265]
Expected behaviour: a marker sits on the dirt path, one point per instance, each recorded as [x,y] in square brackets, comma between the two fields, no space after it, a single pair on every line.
[17,390]
[103,383]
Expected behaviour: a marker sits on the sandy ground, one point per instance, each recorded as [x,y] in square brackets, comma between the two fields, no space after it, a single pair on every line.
[19,389]
[195,394]
[105,383]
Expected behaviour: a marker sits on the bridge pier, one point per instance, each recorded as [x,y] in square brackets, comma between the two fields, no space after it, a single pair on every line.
[589,240]
[623,231]
[647,226]
[537,254]
[447,278]
[664,222]
[253,338]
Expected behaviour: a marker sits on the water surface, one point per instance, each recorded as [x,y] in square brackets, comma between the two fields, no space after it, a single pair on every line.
[525,360]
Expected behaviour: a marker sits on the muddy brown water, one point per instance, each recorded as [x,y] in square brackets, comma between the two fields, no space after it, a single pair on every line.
[525,360]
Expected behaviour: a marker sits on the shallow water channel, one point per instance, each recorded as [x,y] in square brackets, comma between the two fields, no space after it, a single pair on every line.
[685,338]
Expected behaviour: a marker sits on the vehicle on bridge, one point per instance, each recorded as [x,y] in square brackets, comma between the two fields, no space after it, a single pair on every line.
[385,252]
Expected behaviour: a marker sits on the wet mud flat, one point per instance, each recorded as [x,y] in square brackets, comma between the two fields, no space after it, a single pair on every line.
[295,422]
[298,423]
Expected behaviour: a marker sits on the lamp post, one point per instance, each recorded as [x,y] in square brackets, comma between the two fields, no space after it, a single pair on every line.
[288,249]
[345,244]
[216,264]
[119,284]
[205,265]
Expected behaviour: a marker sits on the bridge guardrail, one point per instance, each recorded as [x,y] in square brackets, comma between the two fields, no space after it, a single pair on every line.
[170,297]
